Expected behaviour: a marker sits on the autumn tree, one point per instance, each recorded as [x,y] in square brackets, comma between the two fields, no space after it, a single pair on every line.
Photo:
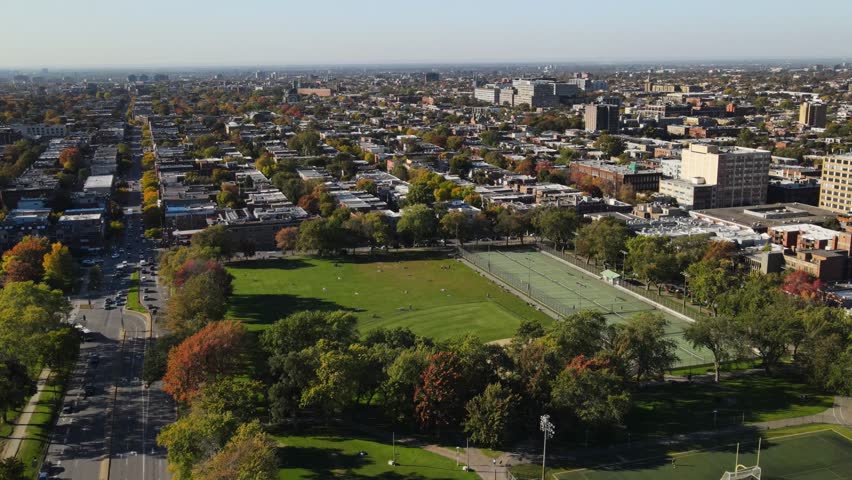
[218,239]
[194,438]
[70,159]
[250,454]
[802,284]
[437,399]
[643,344]
[25,261]
[211,352]
[202,298]
[286,238]
[58,265]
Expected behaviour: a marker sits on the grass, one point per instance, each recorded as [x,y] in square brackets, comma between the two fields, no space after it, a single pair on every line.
[733,366]
[434,297]
[812,452]
[328,457]
[133,302]
[41,424]
[682,407]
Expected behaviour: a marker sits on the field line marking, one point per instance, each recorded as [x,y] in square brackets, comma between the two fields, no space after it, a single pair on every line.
[800,434]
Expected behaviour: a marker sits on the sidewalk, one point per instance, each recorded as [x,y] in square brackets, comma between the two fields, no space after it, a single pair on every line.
[23,422]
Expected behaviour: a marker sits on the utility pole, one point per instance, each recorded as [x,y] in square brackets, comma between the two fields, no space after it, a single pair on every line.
[548,429]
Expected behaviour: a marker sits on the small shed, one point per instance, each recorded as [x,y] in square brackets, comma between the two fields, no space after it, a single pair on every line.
[610,277]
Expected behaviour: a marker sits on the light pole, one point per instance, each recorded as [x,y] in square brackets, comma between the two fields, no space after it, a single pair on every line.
[549,429]
[623,261]
[457,456]
[714,418]
[494,465]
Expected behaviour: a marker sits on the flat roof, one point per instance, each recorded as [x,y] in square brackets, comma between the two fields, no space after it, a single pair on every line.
[98,181]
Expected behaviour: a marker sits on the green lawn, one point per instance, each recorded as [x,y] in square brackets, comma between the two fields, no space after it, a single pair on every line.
[439,298]
[682,407]
[811,452]
[133,302]
[328,457]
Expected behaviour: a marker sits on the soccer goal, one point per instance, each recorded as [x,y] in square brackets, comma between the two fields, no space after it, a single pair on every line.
[744,473]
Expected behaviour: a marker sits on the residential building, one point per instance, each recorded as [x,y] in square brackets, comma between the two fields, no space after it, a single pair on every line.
[40,130]
[601,118]
[836,184]
[543,93]
[812,114]
[692,194]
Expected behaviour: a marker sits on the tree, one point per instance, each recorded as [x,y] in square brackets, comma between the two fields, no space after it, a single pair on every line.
[202,357]
[12,468]
[303,330]
[802,284]
[455,225]
[591,392]
[202,298]
[367,185]
[28,311]
[152,217]
[377,229]
[70,159]
[25,261]
[336,383]
[218,238]
[157,357]
[320,234]
[306,143]
[401,382]
[708,279]
[557,225]
[241,397]
[417,224]
[490,138]
[652,259]
[603,240]
[58,267]
[15,386]
[286,238]
[489,415]
[96,277]
[251,454]
[194,438]
[610,145]
[583,333]
[717,334]
[643,344]
[437,399]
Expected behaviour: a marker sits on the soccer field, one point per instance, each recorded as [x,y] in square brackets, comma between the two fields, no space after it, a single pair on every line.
[570,290]
[438,298]
[822,455]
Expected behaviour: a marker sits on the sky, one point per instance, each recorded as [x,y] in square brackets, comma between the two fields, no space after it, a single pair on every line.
[152,33]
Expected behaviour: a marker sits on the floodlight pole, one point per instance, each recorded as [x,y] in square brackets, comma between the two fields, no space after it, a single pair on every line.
[548,429]
[759,439]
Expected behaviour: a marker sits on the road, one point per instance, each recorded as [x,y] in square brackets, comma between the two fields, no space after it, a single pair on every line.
[110,431]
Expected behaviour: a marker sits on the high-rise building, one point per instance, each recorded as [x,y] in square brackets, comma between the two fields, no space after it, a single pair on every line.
[725,177]
[836,184]
[601,118]
[812,114]
[543,93]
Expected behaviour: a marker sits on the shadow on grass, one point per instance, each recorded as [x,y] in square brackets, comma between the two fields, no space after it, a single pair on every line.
[289,263]
[325,463]
[266,309]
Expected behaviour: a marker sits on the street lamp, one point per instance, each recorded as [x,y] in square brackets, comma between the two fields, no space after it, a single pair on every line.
[549,429]
[457,456]
[623,261]
[714,418]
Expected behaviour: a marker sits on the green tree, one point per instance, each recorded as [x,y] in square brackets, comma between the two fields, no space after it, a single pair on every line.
[708,279]
[643,344]
[610,145]
[96,277]
[718,334]
[12,468]
[306,143]
[417,224]
[217,238]
[193,438]
[591,392]
[603,240]
[652,259]
[203,298]
[455,224]
[583,333]
[336,383]
[557,225]
[16,386]
[489,416]
[242,397]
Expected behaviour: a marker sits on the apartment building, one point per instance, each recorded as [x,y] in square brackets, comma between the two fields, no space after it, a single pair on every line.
[601,118]
[812,114]
[740,176]
[836,184]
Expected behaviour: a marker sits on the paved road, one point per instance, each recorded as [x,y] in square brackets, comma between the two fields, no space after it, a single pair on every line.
[111,431]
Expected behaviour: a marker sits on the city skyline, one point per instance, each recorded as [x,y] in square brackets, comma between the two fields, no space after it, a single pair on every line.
[262,32]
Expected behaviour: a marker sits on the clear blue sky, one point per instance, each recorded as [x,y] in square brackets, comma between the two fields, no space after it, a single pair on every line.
[77,33]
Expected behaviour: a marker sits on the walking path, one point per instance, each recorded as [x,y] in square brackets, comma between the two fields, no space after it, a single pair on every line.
[479,462]
[13,442]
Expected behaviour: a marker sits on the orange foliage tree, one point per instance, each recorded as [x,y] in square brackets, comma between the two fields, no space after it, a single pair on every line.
[25,261]
[209,353]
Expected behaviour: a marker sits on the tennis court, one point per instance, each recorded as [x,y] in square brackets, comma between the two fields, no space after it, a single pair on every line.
[567,290]
[822,455]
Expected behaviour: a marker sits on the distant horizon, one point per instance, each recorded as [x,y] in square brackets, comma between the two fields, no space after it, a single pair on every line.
[665,63]
[185,33]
